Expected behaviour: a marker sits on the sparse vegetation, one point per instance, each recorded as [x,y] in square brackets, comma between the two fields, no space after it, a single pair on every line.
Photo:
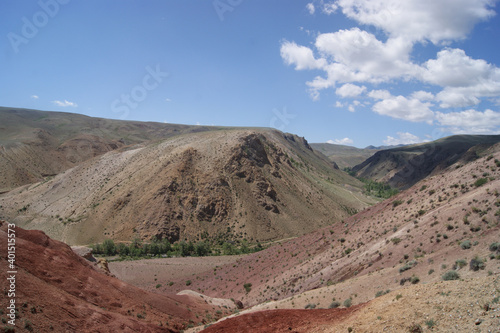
[348,303]
[450,275]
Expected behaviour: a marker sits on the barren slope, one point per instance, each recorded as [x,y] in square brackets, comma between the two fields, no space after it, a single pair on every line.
[227,184]
[38,144]
[58,291]
[444,221]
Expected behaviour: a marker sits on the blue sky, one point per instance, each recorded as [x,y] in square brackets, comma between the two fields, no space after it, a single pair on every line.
[357,72]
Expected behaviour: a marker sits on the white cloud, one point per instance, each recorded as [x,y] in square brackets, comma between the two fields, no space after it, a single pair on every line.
[470,121]
[310,7]
[360,51]
[404,138]
[419,20]
[65,103]
[402,108]
[350,90]
[422,95]
[330,8]
[352,59]
[34,96]
[344,141]
[300,56]
[379,94]
[338,104]
[168,100]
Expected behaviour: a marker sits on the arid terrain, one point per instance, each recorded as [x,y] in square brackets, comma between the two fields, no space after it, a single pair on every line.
[223,184]
[335,259]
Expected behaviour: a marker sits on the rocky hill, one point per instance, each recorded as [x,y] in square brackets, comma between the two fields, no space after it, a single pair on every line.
[404,166]
[226,184]
[445,227]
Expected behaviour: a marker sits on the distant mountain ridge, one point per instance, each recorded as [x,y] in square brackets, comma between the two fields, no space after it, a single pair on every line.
[404,166]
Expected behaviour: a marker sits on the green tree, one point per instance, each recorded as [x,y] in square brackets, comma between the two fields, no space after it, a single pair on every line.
[109,247]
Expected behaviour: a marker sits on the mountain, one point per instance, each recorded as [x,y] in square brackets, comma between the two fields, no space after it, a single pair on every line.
[220,185]
[404,166]
[344,156]
[36,144]
[447,222]
[58,291]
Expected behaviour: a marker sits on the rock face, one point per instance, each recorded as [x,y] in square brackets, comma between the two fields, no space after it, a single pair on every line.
[230,185]
[84,252]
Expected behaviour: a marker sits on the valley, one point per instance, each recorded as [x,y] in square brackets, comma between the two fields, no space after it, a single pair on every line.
[335,258]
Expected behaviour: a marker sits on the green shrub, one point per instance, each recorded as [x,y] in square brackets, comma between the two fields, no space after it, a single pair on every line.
[310,306]
[450,275]
[188,282]
[348,303]
[476,264]
[407,266]
[248,287]
[466,244]
[480,182]
[495,247]
[334,305]
[460,263]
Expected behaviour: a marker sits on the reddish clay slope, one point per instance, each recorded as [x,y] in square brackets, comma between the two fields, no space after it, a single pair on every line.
[56,290]
[275,321]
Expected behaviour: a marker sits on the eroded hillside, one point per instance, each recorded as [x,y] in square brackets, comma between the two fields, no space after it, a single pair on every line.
[258,185]
[446,222]
[58,291]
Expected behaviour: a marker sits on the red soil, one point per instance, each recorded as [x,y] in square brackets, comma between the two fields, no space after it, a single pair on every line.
[56,290]
[275,321]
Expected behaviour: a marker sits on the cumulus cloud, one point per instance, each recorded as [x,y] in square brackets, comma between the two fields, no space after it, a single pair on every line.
[65,103]
[422,95]
[350,90]
[300,56]
[362,52]
[404,138]
[401,107]
[419,20]
[353,59]
[470,121]
[344,141]
[379,94]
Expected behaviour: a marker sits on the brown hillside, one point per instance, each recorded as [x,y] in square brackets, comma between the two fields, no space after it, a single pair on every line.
[221,185]
[440,224]
[56,290]
[36,144]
